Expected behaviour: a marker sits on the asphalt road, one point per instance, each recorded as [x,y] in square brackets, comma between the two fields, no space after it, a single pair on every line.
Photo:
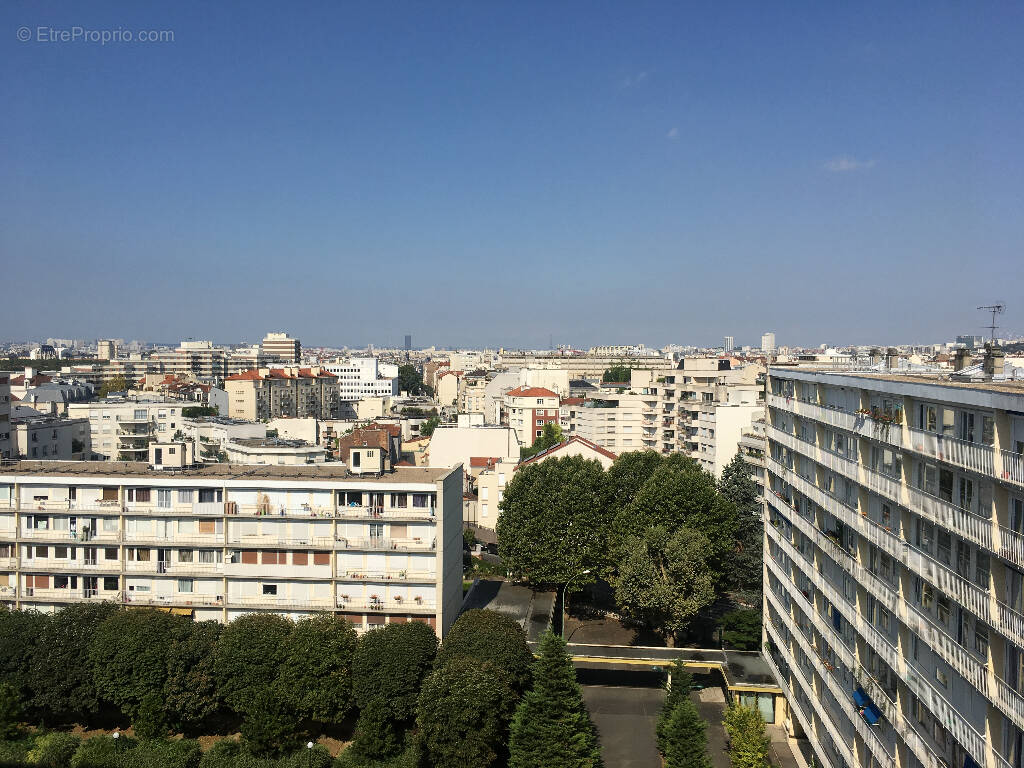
[625,720]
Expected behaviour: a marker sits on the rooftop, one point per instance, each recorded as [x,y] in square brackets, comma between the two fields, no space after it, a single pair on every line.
[944,378]
[134,469]
[531,392]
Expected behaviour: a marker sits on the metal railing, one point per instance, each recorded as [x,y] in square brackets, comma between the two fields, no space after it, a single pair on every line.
[973,456]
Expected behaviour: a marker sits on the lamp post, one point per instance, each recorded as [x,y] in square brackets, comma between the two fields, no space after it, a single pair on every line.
[117,755]
[564,590]
[309,754]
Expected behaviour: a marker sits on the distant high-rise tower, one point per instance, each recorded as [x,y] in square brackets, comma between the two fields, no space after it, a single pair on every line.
[768,342]
[106,349]
[408,342]
[282,347]
[730,343]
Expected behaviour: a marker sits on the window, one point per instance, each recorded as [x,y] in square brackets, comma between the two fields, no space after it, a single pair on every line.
[60,582]
[942,608]
[109,524]
[138,495]
[184,555]
[945,542]
[419,500]
[163,498]
[208,555]
[110,553]
[400,500]
[321,558]
[185,585]
[186,526]
[110,583]
[942,677]
[207,495]
[270,589]
[981,638]
[981,569]
[185,495]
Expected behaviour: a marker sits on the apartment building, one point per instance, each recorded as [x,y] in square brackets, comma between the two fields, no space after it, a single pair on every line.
[5,415]
[50,438]
[273,450]
[363,377]
[121,430]
[580,366]
[894,565]
[220,541]
[527,410]
[272,393]
[281,348]
[618,422]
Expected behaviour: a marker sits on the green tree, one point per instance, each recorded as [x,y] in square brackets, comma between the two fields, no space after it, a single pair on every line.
[550,436]
[746,563]
[316,673]
[19,635]
[269,726]
[492,637]
[427,427]
[388,669]
[551,727]
[116,384]
[10,711]
[624,479]
[679,492]
[553,521]
[686,740]
[677,688]
[742,629]
[748,742]
[249,653]
[197,411]
[128,655]
[665,581]
[150,718]
[190,691]
[617,374]
[62,682]
[411,380]
[53,750]
[463,715]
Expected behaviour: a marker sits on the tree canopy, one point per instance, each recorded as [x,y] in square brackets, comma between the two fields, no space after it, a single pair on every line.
[551,435]
[616,374]
[115,384]
[748,741]
[315,675]
[554,521]
[411,380]
[464,710]
[489,636]
[249,653]
[666,580]
[746,564]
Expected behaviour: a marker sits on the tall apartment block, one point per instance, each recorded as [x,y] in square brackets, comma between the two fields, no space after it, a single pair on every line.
[894,566]
[281,348]
[371,544]
[273,393]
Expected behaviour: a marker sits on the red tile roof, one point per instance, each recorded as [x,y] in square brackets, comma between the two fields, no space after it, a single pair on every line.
[35,381]
[279,373]
[573,400]
[531,392]
[393,429]
[574,439]
[483,461]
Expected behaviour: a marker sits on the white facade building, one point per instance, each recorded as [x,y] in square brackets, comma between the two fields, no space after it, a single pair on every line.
[362,377]
[121,430]
[894,581]
[222,541]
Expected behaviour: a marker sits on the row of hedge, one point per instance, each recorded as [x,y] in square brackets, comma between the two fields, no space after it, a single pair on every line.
[56,749]
[277,681]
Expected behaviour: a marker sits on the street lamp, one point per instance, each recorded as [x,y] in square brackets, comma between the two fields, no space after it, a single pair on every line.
[117,755]
[309,754]
[564,589]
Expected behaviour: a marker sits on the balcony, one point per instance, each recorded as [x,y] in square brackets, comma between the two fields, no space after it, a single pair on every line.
[1013,467]
[281,602]
[37,594]
[380,542]
[423,577]
[410,605]
[269,540]
[380,513]
[184,599]
[973,456]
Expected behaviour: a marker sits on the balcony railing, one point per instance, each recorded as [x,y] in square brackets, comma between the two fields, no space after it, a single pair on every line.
[272,540]
[390,575]
[177,599]
[1011,546]
[405,605]
[973,456]
[1013,467]
[381,542]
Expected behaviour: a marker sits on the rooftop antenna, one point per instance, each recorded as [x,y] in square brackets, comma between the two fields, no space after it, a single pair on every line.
[996,309]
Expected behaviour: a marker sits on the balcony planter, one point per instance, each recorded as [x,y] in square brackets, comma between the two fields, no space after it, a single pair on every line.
[418,599]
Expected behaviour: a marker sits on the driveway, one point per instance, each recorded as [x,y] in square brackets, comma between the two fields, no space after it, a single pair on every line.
[625,719]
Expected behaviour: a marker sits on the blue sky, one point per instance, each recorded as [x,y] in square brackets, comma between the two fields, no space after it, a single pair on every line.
[499,173]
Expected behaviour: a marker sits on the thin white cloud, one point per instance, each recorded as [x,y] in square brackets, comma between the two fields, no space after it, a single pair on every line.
[846,164]
[673,133]
[632,81]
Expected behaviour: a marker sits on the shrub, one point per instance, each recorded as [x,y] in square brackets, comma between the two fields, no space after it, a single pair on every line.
[150,721]
[317,757]
[269,726]
[163,753]
[102,752]
[54,750]
[14,752]
[223,754]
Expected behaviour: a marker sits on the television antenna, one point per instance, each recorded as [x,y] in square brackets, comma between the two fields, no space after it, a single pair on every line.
[996,309]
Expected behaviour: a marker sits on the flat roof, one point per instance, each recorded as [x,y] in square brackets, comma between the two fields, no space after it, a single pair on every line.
[937,379]
[331,471]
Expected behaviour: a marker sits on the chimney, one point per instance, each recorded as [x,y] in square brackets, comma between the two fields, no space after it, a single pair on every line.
[994,360]
[875,356]
[892,359]
[961,359]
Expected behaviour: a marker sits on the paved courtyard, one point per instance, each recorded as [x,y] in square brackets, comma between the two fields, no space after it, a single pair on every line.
[625,720]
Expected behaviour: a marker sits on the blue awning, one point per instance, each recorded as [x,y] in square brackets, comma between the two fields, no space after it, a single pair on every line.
[860,698]
[866,707]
